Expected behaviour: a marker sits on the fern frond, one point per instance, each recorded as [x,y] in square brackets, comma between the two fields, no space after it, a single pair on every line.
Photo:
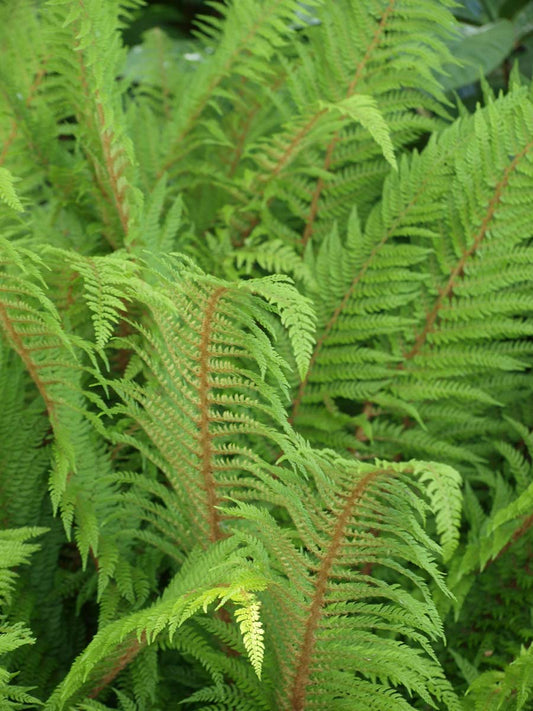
[87,61]
[31,325]
[15,550]
[7,190]
[212,386]
[32,328]
[105,286]
[217,573]
[434,349]
[510,688]
[242,45]
[327,651]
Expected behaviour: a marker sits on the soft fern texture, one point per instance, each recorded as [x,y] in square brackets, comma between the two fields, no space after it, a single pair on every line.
[265,363]
[15,549]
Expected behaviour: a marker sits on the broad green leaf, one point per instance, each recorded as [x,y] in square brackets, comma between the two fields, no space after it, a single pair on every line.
[479,50]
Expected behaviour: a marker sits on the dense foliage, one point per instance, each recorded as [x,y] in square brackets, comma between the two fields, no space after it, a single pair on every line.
[266,427]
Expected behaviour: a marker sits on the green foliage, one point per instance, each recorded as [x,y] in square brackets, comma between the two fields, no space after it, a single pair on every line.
[14,550]
[265,360]
[494,34]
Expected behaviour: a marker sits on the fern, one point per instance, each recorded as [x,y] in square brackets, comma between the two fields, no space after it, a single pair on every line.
[265,353]
[15,549]
[7,190]
[510,688]
[327,593]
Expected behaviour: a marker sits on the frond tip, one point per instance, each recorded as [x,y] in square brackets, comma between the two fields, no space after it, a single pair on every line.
[8,194]
[247,615]
[363,109]
[296,314]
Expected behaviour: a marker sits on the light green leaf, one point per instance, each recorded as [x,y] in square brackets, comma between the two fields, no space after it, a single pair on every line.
[7,190]
[364,110]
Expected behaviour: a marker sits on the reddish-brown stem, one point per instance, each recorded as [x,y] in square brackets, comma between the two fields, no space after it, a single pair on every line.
[321,183]
[205,437]
[526,526]
[298,691]
[29,99]
[9,140]
[115,166]
[217,79]
[293,145]
[113,156]
[457,272]
[121,663]
[33,369]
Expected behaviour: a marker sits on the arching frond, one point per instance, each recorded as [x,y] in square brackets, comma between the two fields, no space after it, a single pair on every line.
[212,387]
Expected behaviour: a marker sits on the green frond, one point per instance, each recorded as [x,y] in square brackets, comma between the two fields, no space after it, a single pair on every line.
[436,332]
[31,326]
[7,190]
[15,550]
[443,487]
[205,578]
[54,361]
[212,384]
[105,280]
[328,648]
[510,688]
[90,55]
[363,109]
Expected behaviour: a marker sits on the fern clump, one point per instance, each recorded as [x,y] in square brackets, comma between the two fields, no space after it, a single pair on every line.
[265,353]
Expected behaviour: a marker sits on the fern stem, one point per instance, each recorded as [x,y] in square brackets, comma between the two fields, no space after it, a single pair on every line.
[298,692]
[318,192]
[9,140]
[526,526]
[32,367]
[205,437]
[313,210]
[29,100]
[114,168]
[121,663]
[217,79]
[457,272]
[114,160]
